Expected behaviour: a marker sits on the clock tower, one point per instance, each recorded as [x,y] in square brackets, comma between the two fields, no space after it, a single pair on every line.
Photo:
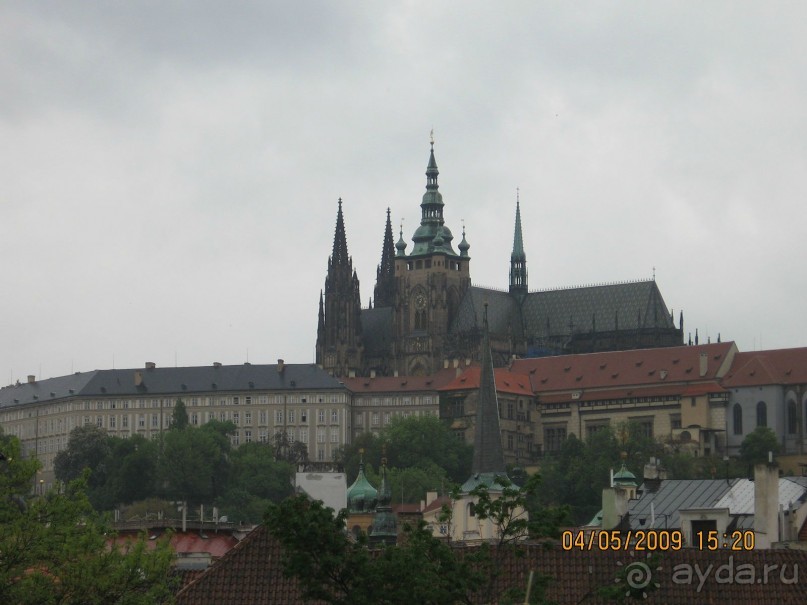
[430,282]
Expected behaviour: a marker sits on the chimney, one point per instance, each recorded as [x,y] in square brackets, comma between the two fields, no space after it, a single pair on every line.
[31,379]
[216,364]
[138,378]
[766,505]
[281,365]
[704,364]
[150,365]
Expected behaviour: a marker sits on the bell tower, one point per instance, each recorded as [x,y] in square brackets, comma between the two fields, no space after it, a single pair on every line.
[430,282]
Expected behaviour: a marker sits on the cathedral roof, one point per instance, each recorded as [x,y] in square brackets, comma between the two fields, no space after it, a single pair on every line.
[602,308]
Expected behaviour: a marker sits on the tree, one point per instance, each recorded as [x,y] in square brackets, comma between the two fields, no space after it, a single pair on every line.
[425,452]
[756,445]
[179,417]
[194,462]
[256,480]
[53,547]
[87,448]
[335,569]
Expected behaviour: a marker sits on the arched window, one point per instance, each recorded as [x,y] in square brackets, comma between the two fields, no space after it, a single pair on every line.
[471,510]
[792,420]
[738,419]
[762,414]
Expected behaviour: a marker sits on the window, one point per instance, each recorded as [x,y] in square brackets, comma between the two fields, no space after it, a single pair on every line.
[334,416]
[263,436]
[386,418]
[235,417]
[263,417]
[141,421]
[675,421]
[304,435]
[248,418]
[125,422]
[792,420]
[359,419]
[320,435]
[375,419]
[762,414]
[510,410]
[235,400]
[320,454]
[334,435]
[194,419]
[279,417]
[222,416]
[321,416]
[509,441]
[154,421]
[304,416]
[553,437]
[112,422]
[247,436]
[291,416]
[248,400]
[737,413]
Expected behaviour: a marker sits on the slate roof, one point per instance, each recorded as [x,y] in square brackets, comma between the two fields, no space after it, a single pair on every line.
[674,495]
[737,495]
[547,313]
[173,381]
[251,573]
[757,368]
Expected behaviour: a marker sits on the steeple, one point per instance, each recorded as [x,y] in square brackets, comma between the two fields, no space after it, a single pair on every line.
[488,452]
[385,526]
[518,259]
[339,347]
[384,292]
[431,216]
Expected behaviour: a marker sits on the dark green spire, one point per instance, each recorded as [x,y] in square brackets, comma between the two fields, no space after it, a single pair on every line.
[488,452]
[518,259]
[385,525]
[385,274]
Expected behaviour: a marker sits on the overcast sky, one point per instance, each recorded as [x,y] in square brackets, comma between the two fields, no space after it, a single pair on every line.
[169,171]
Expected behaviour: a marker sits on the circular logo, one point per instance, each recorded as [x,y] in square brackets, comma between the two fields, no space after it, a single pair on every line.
[638,575]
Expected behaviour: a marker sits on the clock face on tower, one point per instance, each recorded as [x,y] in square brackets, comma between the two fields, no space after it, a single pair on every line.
[420,301]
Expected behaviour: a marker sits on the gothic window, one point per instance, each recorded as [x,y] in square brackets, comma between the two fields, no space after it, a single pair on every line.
[762,414]
[738,419]
[792,421]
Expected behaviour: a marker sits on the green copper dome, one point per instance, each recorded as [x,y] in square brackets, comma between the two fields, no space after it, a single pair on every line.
[361,496]
[625,477]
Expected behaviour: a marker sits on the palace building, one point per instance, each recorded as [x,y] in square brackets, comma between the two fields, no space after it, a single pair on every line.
[426,310]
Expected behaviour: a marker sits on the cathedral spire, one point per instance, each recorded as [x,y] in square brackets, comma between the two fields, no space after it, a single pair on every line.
[384,292]
[339,257]
[518,259]
[488,452]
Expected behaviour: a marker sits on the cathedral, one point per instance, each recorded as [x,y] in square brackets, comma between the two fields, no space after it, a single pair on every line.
[425,311]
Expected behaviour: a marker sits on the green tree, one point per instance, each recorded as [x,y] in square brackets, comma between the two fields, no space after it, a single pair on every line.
[179,417]
[756,445]
[425,452]
[335,569]
[87,448]
[53,548]
[256,480]
[194,463]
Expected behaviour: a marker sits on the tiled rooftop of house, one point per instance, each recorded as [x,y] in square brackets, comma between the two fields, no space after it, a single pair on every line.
[251,574]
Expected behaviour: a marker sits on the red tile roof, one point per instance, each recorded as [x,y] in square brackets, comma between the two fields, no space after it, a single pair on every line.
[615,369]
[251,574]
[757,368]
[507,381]
[397,384]
[215,544]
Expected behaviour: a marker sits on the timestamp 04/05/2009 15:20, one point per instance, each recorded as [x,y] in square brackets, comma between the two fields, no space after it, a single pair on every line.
[656,540]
